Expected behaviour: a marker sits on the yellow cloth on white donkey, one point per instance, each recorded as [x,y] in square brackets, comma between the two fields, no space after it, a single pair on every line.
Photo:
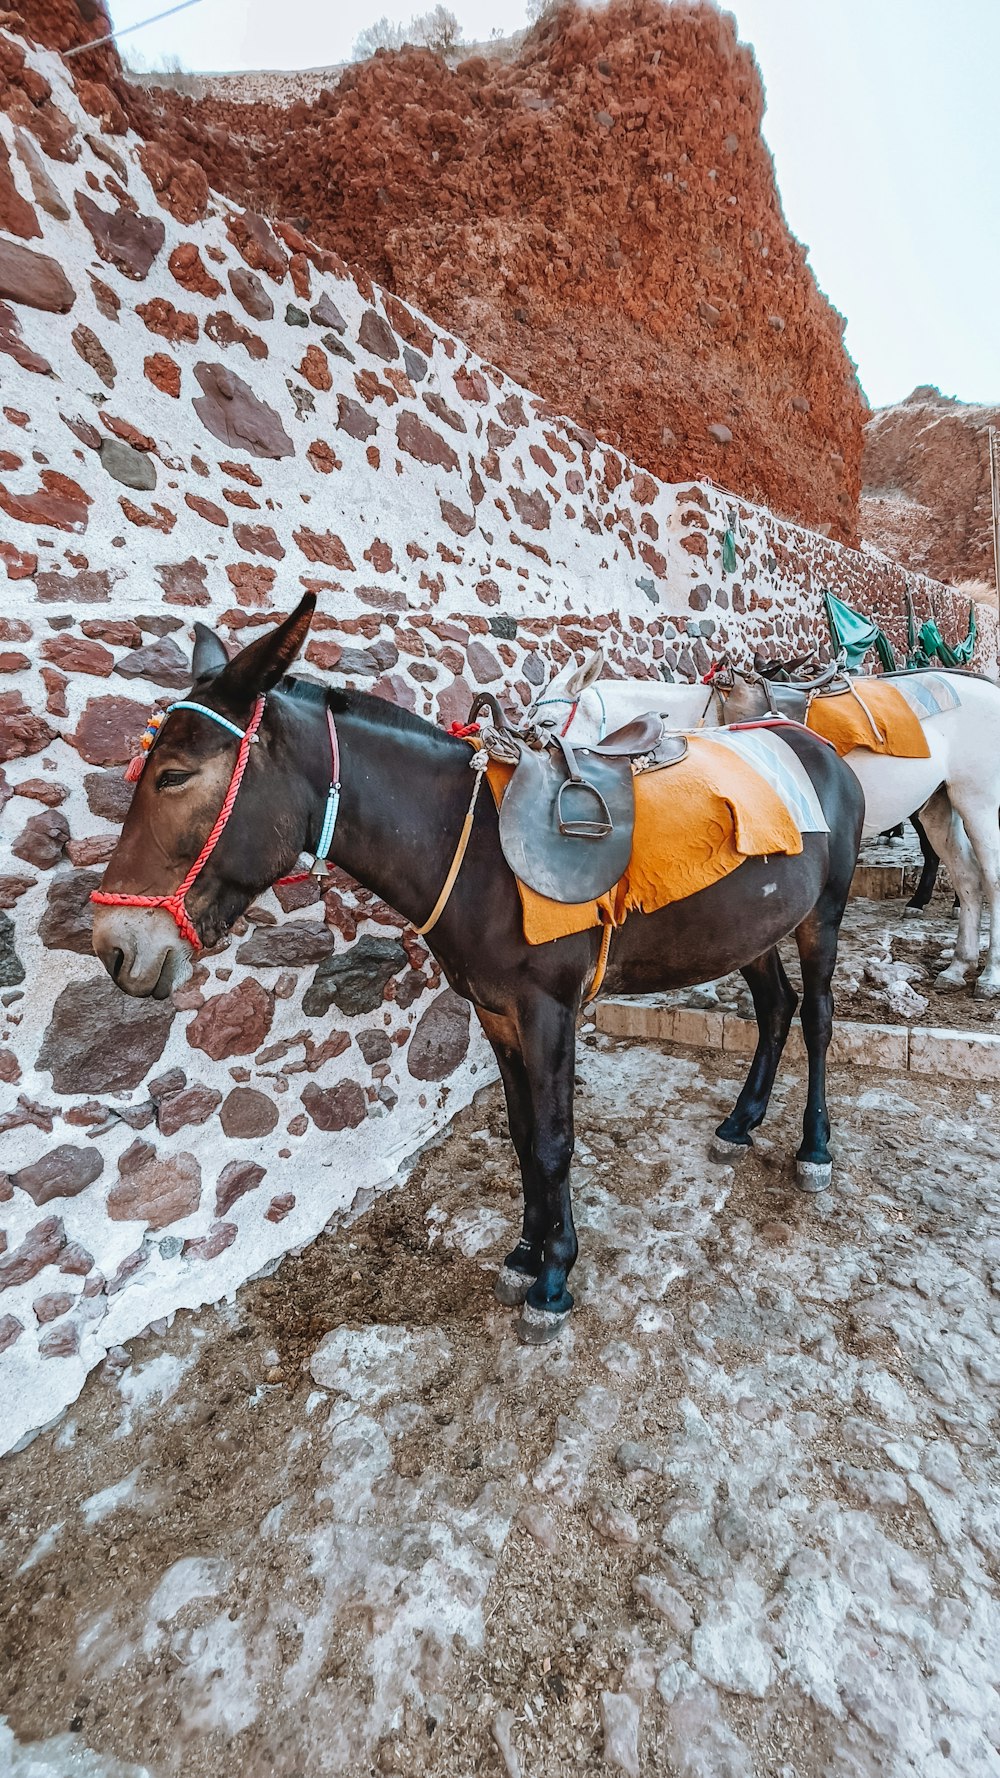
[738,793]
[885,714]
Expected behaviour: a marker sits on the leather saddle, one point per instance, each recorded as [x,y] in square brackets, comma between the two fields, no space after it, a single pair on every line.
[790,692]
[568,814]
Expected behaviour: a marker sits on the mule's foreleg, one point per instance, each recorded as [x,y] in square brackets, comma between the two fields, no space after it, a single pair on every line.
[948,836]
[522,1266]
[928,875]
[548,1048]
[774,1003]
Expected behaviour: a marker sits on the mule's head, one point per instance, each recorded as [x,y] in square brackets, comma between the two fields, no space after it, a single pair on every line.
[553,705]
[179,795]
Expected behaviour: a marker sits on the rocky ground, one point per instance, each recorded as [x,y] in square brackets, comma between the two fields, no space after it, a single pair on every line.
[740,1523]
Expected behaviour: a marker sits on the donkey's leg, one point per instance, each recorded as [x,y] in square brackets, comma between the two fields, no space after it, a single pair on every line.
[548,1047]
[817,939]
[980,821]
[774,1002]
[928,875]
[522,1266]
[947,835]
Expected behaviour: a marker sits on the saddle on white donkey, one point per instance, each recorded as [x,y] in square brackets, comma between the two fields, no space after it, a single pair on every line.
[955,790]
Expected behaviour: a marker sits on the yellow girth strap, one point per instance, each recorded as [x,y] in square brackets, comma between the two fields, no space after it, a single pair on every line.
[456,863]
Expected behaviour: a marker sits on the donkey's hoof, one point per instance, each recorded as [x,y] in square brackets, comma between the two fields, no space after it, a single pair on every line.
[987,988]
[813,1176]
[538,1327]
[728,1153]
[952,980]
[910,913]
[511,1287]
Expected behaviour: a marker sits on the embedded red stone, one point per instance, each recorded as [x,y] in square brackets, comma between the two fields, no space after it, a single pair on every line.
[108,730]
[421,441]
[75,654]
[234,1023]
[190,271]
[323,547]
[162,317]
[125,240]
[261,540]
[20,564]
[207,509]
[157,1192]
[231,411]
[16,214]
[223,330]
[21,731]
[59,501]
[12,345]
[34,279]
[254,241]
[89,348]
[164,373]
[315,367]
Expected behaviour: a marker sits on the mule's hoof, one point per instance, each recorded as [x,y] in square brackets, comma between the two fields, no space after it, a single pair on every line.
[728,1153]
[511,1287]
[538,1327]
[951,980]
[911,913]
[813,1176]
[986,990]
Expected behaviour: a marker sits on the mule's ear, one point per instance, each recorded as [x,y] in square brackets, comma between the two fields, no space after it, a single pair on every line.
[209,655]
[587,674]
[259,667]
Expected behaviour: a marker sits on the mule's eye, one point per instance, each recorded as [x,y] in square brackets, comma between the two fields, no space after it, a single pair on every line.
[170,780]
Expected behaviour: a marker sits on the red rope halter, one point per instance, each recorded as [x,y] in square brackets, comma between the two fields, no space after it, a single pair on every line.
[175,903]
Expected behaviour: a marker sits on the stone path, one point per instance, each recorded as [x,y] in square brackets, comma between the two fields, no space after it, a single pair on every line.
[741,1523]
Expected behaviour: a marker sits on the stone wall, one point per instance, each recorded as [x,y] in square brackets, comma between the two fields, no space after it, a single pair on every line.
[200,416]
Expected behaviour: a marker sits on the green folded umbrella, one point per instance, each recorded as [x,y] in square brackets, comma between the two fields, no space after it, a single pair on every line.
[853,635]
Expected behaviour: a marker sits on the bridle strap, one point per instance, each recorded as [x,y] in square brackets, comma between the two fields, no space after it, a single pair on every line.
[175,903]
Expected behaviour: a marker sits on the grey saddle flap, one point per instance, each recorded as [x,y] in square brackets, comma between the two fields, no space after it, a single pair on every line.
[568,838]
[566,821]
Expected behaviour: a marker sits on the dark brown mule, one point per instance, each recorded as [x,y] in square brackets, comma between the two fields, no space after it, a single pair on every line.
[406,789]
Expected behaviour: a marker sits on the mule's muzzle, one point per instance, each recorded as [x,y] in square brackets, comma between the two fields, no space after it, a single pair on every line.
[142,950]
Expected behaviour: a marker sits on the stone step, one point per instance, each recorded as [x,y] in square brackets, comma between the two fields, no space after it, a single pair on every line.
[914,1049]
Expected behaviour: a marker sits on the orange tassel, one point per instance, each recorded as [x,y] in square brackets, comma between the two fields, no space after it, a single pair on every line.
[133,771]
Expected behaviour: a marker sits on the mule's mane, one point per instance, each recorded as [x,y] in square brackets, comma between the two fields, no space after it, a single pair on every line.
[361,703]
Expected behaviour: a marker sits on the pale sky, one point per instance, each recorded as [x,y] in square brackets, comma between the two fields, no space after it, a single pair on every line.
[883,117]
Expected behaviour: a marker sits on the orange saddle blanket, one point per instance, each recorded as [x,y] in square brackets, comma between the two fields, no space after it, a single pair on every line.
[873,714]
[695,822]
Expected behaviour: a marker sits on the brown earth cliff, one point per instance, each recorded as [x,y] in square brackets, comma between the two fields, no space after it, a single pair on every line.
[598,216]
[926,499]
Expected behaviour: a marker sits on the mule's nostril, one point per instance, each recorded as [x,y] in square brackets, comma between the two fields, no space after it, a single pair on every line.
[117,960]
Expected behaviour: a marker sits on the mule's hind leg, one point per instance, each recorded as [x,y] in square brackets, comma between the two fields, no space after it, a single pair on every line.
[522,1266]
[774,1004]
[983,832]
[948,836]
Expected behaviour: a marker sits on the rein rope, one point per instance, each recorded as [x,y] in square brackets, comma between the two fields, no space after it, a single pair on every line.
[175,904]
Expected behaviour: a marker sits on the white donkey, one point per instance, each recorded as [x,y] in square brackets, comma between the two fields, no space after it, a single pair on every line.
[956,791]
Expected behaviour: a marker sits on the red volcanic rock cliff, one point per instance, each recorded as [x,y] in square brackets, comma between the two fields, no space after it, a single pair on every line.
[926,497]
[599,217]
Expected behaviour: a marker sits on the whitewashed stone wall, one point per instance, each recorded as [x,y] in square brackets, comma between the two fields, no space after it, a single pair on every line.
[201,414]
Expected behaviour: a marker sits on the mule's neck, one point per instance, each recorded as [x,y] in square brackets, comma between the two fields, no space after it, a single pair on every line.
[404,795]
